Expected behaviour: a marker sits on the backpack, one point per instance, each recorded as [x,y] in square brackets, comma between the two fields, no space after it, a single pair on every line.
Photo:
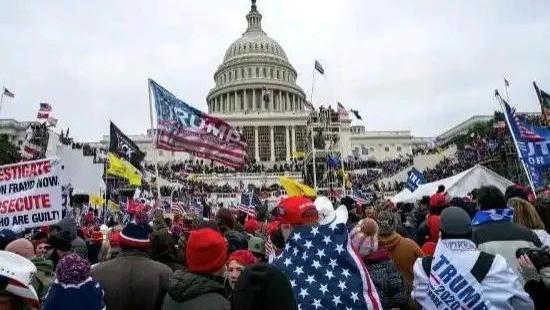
[479,270]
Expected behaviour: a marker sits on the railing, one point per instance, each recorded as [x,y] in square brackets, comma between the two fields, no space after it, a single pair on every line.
[205,176]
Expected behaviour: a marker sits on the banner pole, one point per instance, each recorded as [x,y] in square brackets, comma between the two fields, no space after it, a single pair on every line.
[1,102]
[516,145]
[154,138]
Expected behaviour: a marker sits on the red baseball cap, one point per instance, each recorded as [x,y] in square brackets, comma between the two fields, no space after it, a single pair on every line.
[298,210]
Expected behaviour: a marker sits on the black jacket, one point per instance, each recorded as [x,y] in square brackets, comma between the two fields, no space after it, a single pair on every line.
[189,291]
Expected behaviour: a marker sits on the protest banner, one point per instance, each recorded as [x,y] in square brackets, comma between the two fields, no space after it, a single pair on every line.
[30,194]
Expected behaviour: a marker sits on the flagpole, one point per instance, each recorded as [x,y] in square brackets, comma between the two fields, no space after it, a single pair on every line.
[2,98]
[506,85]
[312,86]
[1,102]
[516,145]
[154,137]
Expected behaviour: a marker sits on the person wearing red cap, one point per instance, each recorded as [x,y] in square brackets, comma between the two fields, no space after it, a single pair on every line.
[201,287]
[251,226]
[296,211]
[236,263]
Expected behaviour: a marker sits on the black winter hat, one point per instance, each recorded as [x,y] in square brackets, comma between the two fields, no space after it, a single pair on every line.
[263,287]
[60,240]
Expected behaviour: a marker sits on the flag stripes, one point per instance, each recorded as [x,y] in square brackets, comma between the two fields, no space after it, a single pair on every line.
[182,128]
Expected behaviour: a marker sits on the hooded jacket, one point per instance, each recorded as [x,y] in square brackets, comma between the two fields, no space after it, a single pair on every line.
[189,291]
[451,283]
[68,228]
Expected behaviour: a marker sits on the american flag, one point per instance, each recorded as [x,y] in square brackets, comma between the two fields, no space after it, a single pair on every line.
[361,197]
[45,107]
[249,202]
[319,67]
[182,128]
[270,249]
[30,151]
[342,111]
[324,270]
[177,207]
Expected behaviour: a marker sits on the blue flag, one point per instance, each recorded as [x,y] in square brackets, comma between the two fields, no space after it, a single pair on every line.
[536,176]
[324,270]
[415,179]
[532,141]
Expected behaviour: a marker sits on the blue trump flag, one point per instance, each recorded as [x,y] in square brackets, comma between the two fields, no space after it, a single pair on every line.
[532,141]
[415,179]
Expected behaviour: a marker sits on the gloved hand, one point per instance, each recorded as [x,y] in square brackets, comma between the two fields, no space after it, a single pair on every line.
[528,270]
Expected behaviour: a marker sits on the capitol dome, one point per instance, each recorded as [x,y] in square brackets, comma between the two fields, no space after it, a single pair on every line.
[255,76]
[254,42]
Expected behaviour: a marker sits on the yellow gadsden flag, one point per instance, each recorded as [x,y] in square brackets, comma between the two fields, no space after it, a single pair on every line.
[123,169]
[295,188]
[97,200]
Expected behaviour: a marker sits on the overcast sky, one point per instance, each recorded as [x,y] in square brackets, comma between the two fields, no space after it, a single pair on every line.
[418,65]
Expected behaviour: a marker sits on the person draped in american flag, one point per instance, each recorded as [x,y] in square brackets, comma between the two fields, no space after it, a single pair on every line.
[324,270]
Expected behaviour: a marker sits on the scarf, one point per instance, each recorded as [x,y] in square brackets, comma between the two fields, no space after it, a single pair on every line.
[493,216]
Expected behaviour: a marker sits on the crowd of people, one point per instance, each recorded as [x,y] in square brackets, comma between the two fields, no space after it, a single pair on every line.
[488,250]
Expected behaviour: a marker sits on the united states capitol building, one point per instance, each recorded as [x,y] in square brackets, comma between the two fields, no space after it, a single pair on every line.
[255,91]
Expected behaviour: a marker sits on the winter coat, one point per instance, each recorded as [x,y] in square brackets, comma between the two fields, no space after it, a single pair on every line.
[93,253]
[44,277]
[133,281]
[543,236]
[505,238]
[501,287]
[189,291]
[403,252]
[388,280]
[163,247]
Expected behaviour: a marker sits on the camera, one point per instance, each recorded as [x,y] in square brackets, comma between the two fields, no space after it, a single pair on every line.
[539,256]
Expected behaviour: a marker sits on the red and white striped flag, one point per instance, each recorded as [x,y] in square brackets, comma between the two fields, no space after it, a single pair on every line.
[30,151]
[182,128]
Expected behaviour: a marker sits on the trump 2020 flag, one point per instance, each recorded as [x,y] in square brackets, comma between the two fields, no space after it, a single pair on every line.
[182,128]
[324,270]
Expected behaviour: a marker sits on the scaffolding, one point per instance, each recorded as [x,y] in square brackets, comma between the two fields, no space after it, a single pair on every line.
[323,164]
